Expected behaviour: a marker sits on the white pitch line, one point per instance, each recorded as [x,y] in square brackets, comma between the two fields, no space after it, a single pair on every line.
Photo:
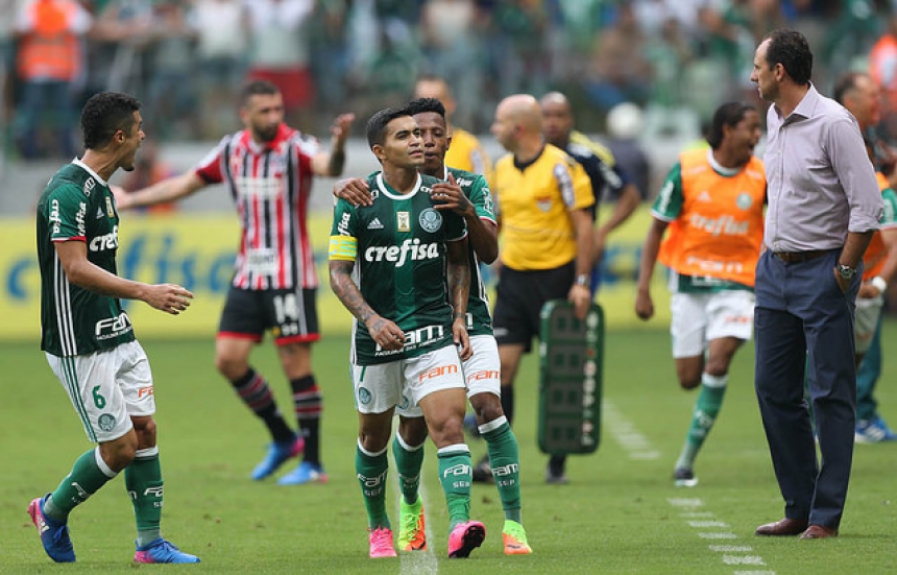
[743,560]
[689,509]
[731,548]
[708,524]
[685,502]
[636,445]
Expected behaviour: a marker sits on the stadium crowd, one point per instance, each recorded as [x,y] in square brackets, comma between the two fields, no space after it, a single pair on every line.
[186,58]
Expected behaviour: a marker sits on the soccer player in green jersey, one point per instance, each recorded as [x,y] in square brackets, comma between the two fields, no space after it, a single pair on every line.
[466,194]
[88,338]
[410,308]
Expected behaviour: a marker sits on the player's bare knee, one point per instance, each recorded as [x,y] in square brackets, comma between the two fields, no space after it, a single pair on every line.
[447,432]
[689,380]
[413,430]
[230,368]
[373,442]
[119,453]
[717,367]
[487,407]
[145,428]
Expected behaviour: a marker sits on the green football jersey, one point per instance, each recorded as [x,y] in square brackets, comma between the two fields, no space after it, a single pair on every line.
[78,206]
[399,248]
[474,186]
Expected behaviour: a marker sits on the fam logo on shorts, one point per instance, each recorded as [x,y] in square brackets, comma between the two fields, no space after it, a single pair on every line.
[430,220]
[106,422]
[364,396]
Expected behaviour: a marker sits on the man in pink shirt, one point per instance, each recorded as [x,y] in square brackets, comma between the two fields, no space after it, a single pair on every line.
[824,206]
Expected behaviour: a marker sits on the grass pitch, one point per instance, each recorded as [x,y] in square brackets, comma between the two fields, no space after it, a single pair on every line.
[619,514]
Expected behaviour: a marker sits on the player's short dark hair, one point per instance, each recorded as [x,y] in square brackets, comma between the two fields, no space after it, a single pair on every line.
[424,105]
[104,114]
[844,84]
[790,49]
[257,88]
[728,114]
[376,128]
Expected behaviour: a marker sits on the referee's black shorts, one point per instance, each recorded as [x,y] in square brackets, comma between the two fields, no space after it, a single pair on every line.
[520,296]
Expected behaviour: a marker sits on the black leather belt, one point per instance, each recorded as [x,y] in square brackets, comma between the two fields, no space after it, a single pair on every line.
[794,257]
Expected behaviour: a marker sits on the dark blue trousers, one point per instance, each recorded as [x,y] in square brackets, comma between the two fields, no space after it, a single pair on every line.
[804,326]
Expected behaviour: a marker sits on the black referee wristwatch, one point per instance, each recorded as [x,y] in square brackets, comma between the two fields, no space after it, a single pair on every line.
[846,272]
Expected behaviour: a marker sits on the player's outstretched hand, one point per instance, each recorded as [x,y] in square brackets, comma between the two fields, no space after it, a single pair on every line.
[353,190]
[341,127]
[169,298]
[644,307]
[386,333]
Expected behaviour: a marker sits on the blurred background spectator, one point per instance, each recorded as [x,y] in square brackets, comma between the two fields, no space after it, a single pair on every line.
[49,66]
[643,76]
[279,51]
[222,38]
[675,59]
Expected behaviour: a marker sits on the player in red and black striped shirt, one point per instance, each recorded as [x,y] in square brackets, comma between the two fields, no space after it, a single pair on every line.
[268,169]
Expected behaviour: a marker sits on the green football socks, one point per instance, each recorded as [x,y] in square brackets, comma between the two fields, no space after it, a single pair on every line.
[88,474]
[371,469]
[456,475]
[408,464]
[707,407]
[143,480]
[504,458]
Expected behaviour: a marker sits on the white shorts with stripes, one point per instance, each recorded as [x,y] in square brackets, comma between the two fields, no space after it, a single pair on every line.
[403,383]
[107,388]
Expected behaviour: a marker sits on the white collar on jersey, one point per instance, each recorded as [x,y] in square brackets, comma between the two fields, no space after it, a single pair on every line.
[85,167]
[385,190]
[720,169]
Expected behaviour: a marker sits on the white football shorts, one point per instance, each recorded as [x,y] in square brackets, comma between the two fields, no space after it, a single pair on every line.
[698,318]
[107,388]
[483,370]
[403,383]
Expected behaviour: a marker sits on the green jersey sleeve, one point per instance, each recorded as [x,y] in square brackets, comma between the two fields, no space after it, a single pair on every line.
[481,198]
[343,239]
[889,213]
[668,204]
[67,211]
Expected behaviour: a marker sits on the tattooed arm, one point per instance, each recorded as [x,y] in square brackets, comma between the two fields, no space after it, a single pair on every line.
[386,333]
[458,280]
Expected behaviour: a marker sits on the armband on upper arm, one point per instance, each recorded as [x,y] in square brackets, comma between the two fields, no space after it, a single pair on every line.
[343,248]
